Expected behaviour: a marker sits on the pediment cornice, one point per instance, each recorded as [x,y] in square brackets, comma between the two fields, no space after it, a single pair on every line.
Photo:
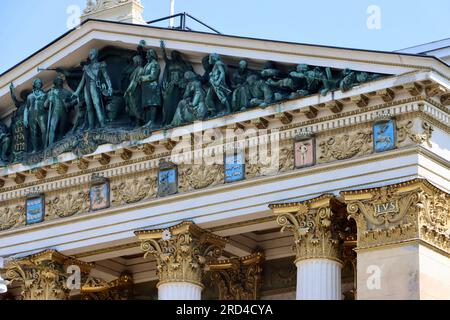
[71,49]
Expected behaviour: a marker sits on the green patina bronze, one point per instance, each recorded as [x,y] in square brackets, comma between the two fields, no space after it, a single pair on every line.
[119,95]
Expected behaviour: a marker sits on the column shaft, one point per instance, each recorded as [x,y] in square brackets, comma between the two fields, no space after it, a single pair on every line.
[179,291]
[318,279]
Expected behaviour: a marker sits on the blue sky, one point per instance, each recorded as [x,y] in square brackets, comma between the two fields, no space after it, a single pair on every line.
[28,25]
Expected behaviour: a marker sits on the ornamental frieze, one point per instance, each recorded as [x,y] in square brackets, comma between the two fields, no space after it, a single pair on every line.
[195,177]
[345,146]
[134,189]
[407,133]
[11,217]
[67,205]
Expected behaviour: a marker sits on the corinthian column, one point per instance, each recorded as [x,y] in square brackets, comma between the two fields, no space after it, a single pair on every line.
[314,225]
[182,252]
[44,276]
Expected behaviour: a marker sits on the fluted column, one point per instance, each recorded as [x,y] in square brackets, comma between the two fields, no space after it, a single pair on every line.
[182,253]
[43,276]
[179,291]
[315,226]
[318,279]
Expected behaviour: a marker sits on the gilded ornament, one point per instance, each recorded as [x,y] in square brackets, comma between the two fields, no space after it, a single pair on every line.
[195,177]
[313,224]
[68,205]
[134,190]
[238,278]
[184,255]
[345,146]
[11,217]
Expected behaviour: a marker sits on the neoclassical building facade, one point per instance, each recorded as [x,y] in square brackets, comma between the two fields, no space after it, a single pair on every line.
[330,181]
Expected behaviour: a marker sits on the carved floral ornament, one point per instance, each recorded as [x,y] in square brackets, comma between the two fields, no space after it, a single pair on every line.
[315,225]
[182,252]
[402,212]
[43,276]
[239,278]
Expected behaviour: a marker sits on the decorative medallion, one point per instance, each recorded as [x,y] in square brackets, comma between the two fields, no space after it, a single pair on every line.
[234,166]
[35,208]
[304,150]
[99,193]
[167,179]
[384,135]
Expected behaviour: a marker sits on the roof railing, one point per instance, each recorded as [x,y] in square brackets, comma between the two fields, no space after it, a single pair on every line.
[184,16]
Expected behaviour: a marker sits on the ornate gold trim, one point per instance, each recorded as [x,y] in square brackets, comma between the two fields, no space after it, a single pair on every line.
[182,252]
[238,278]
[315,226]
[406,211]
[43,276]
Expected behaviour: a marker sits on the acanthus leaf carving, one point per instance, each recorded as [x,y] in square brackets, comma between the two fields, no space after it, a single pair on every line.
[68,205]
[11,217]
[345,146]
[405,131]
[195,177]
[134,190]
[182,252]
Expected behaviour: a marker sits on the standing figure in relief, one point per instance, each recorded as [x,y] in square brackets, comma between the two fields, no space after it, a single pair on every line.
[95,83]
[241,94]
[35,116]
[151,90]
[58,103]
[133,94]
[192,107]
[5,143]
[173,83]
[19,133]
[217,98]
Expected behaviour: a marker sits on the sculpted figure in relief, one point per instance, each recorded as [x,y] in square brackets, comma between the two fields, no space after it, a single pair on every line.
[95,83]
[151,90]
[192,107]
[217,98]
[134,92]
[173,83]
[35,116]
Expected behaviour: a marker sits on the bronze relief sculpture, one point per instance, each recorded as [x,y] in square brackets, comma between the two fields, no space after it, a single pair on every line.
[120,95]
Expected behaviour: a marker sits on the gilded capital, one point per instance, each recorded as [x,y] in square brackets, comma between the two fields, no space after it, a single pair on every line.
[315,225]
[44,276]
[413,210]
[238,278]
[182,252]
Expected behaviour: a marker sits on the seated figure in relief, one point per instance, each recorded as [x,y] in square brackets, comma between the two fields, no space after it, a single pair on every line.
[241,92]
[315,80]
[261,95]
[192,107]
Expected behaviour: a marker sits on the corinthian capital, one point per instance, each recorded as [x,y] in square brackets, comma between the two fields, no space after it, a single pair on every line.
[43,276]
[315,225]
[413,210]
[182,252]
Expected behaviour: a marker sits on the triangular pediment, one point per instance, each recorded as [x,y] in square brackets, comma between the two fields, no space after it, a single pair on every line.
[372,74]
